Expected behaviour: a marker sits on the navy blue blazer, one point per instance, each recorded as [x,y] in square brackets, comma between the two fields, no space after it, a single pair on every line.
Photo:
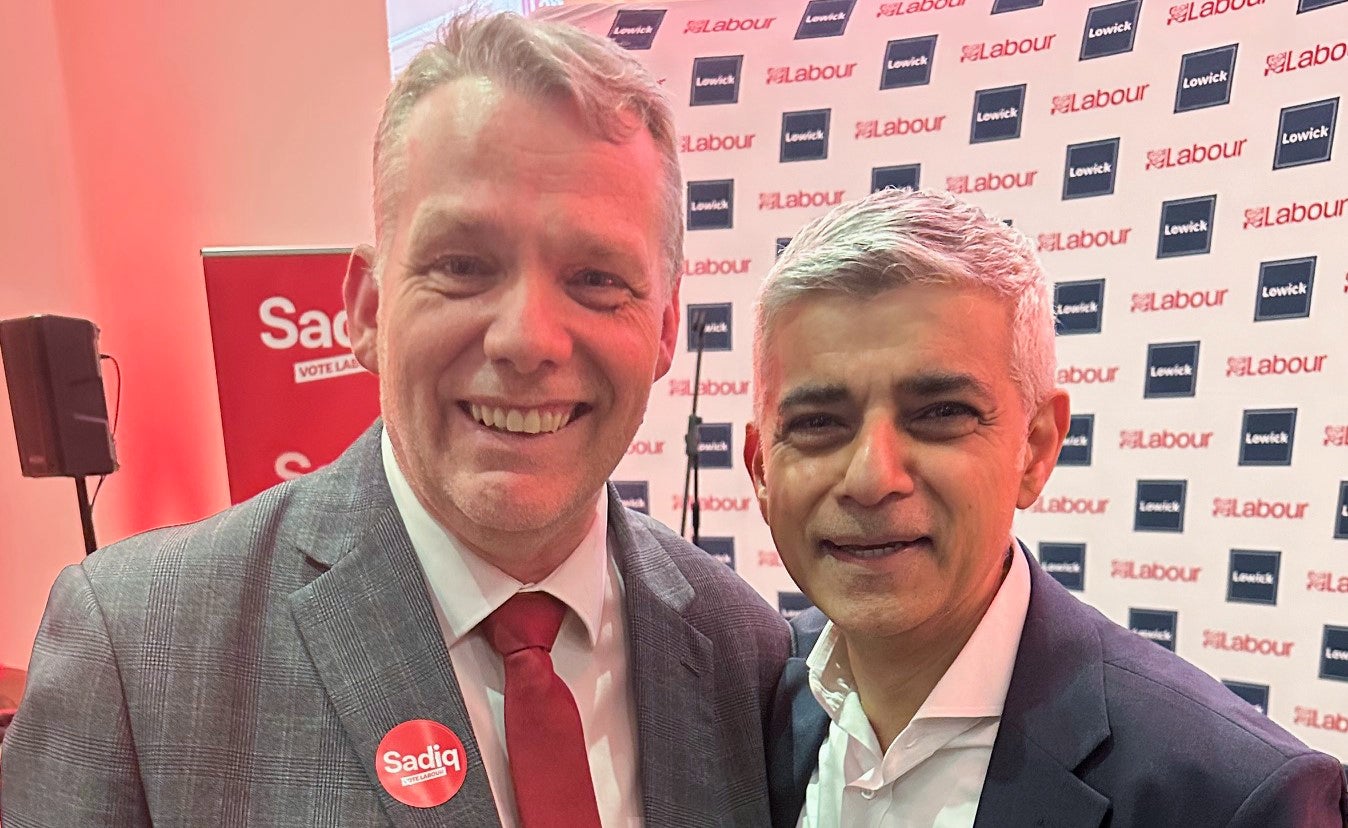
[1100,727]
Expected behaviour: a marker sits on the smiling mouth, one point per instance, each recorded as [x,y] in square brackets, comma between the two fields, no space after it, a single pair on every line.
[526,421]
[867,552]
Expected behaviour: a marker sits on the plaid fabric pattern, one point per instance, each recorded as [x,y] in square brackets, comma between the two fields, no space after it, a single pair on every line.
[241,670]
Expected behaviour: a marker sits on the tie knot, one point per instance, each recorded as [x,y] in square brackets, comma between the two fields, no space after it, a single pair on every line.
[528,619]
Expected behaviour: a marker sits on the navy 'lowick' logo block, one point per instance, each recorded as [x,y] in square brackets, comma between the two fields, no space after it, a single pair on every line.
[1066,562]
[898,177]
[720,548]
[1003,6]
[716,80]
[1205,78]
[1157,626]
[711,204]
[997,114]
[717,326]
[635,29]
[1186,227]
[791,604]
[1253,577]
[1110,29]
[1090,169]
[908,62]
[1306,133]
[634,494]
[1334,654]
[1313,5]
[1079,307]
[1267,436]
[1172,370]
[1284,289]
[1341,512]
[1160,506]
[715,446]
[1255,694]
[805,135]
[824,18]
[1076,446]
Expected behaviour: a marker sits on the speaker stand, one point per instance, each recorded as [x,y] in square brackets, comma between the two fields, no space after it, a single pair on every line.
[86,516]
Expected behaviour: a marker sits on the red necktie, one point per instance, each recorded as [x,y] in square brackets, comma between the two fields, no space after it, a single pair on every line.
[549,765]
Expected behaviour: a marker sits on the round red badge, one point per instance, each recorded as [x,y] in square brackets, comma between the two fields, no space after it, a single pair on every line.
[421,763]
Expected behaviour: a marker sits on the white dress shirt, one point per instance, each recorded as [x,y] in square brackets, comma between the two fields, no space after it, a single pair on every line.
[932,773]
[590,653]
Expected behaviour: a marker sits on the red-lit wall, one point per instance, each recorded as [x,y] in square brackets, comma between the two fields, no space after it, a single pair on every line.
[135,134]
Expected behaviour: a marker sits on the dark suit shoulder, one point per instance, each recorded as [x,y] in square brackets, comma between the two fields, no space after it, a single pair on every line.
[1219,755]
[1153,690]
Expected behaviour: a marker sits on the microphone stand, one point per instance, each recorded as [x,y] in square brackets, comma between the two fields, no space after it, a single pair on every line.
[691,439]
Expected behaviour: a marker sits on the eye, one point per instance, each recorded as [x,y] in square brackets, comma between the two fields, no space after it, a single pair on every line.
[945,410]
[812,429]
[598,279]
[459,266]
[600,290]
[945,420]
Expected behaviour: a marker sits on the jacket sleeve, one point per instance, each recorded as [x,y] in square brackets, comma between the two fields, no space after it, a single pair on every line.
[1306,791]
[69,758]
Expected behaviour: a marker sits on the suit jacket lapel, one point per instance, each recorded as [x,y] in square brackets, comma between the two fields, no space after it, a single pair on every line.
[799,727]
[369,629]
[672,672]
[1053,719]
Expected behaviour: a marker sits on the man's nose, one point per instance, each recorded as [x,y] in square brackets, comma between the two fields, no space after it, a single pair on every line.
[879,467]
[528,328]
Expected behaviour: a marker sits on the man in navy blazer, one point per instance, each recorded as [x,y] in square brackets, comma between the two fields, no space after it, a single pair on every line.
[905,408]
[341,650]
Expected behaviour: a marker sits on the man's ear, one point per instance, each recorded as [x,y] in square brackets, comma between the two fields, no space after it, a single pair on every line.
[669,333]
[1048,427]
[360,293]
[753,463]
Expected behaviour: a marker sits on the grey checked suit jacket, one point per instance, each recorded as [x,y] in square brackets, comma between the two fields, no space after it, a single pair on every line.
[242,670]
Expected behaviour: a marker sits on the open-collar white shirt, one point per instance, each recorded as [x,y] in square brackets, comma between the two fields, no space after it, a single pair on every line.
[932,773]
[590,653]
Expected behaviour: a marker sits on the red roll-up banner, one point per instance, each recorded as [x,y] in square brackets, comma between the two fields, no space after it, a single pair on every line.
[292,396]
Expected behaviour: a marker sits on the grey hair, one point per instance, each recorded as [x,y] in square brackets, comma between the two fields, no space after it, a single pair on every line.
[610,90]
[896,237]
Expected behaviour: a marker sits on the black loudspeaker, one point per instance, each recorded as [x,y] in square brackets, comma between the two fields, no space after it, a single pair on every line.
[56,393]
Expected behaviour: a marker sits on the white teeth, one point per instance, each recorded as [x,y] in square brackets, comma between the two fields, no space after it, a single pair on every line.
[519,421]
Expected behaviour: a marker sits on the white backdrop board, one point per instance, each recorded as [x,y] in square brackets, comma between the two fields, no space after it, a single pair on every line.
[1175,164]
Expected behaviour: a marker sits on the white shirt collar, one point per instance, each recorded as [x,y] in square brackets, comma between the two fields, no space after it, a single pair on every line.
[468,588]
[976,682]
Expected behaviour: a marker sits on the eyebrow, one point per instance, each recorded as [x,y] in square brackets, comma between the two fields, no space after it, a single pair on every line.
[430,225]
[433,225]
[813,394]
[938,383]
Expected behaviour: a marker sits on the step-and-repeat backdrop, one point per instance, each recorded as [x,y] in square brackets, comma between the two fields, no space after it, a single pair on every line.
[1175,163]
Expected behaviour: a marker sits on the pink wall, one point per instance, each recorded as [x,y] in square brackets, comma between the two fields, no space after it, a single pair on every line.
[139,133]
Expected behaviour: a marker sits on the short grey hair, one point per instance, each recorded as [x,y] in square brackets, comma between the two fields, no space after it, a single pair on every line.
[610,90]
[893,238]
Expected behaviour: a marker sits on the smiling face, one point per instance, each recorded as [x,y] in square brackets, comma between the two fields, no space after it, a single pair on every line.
[893,451]
[522,317]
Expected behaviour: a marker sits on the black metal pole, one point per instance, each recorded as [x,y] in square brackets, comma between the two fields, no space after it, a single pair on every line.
[691,439]
[86,516]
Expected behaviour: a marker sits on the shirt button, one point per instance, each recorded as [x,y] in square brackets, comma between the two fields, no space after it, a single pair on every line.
[868,794]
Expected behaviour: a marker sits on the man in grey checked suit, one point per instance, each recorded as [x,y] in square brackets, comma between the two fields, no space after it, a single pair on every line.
[521,298]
